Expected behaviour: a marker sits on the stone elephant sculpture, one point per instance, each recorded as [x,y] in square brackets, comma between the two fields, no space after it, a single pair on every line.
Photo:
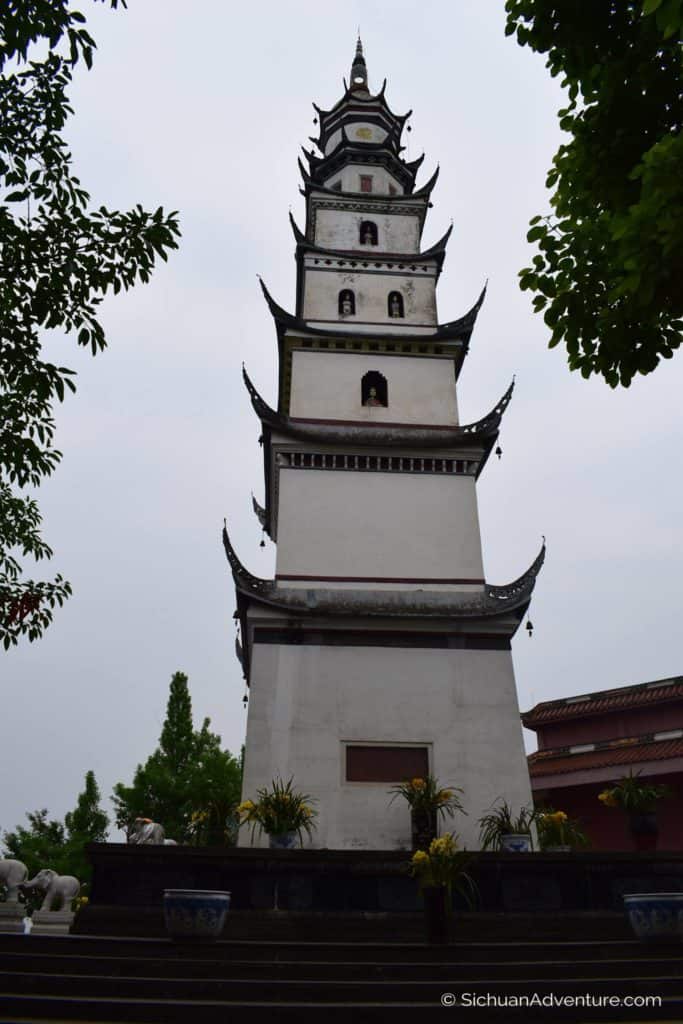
[59,889]
[12,875]
[147,831]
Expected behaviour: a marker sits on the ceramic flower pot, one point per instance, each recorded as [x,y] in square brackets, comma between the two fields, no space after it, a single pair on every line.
[644,830]
[656,916]
[438,914]
[283,840]
[423,828]
[516,843]
[195,915]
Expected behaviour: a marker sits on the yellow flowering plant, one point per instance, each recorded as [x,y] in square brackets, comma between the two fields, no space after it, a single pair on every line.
[632,795]
[444,865]
[278,810]
[556,828]
[427,795]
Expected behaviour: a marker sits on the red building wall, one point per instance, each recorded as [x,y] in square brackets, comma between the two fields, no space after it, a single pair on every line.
[615,725]
[607,827]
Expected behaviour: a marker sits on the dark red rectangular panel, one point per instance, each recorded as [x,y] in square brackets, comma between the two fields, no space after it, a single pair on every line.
[386,764]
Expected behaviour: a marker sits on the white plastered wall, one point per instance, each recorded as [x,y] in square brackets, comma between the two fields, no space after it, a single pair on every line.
[371,291]
[308,701]
[378,525]
[327,385]
[340,229]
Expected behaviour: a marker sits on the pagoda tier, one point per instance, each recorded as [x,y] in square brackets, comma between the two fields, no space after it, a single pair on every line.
[436,251]
[294,334]
[396,447]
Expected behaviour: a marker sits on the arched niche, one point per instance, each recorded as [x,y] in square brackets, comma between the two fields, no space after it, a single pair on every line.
[367,233]
[347,302]
[374,390]
[395,307]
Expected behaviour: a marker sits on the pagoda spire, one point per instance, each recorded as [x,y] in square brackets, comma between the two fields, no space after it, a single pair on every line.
[359,71]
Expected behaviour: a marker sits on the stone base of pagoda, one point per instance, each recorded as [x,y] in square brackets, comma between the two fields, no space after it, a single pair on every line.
[337,895]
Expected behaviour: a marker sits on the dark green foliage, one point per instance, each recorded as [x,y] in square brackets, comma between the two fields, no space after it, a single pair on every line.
[87,823]
[58,259]
[609,266]
[189,784]
[57,845]
[41,845]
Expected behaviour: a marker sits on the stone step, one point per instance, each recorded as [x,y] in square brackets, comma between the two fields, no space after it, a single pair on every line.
[291,926]
[15,1008]
[361,990]
[201,965]
[457,952]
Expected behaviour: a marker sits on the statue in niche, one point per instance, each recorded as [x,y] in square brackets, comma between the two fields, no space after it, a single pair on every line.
[395,306]
[347,307]
[367,238]
[372,399]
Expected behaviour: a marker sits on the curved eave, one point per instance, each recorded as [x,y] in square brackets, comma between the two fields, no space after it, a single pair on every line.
[260,512]
[480,434]
[356,96]
[454,330]
[509,601]
[348,152]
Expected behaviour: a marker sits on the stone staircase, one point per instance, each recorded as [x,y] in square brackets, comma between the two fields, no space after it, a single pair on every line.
[100,979]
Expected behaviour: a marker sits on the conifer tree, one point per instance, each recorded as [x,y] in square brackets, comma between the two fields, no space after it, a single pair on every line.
[190,785]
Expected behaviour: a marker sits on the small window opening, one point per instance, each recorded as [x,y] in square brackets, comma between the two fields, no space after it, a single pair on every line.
[368,233]
[347,302]
[374,390]
[395,304]
[366,183]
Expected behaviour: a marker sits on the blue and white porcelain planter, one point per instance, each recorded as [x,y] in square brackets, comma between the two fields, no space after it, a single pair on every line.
[656,916]
[283,840]
[516,843]
[195,915]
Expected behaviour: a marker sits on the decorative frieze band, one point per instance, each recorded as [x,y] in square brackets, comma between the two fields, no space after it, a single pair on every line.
[359,463]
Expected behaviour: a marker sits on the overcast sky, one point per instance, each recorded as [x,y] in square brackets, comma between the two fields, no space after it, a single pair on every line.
[202,107]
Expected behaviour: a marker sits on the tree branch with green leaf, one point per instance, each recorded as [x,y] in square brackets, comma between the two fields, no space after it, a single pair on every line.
[58,259]
[608,270]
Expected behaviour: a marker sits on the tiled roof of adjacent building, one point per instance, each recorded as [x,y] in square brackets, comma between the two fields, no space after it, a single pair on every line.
[617,753]
[589,704]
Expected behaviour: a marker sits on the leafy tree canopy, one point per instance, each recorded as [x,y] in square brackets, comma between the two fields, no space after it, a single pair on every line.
[58,259]
[609,265]
[60,846]
[190,785]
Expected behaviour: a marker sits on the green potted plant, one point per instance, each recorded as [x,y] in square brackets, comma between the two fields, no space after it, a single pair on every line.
[441,871]
[501,829]
[638,800]
[427,800]
[281,812]
[557,832]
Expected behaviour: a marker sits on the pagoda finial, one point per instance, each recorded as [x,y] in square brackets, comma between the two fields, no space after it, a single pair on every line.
[359,71]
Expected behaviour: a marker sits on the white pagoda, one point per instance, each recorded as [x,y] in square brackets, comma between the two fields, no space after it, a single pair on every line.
[378,652]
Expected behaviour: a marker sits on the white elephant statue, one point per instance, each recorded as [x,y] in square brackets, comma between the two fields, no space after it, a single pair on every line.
[12,875]
[146,831]
[59,890]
